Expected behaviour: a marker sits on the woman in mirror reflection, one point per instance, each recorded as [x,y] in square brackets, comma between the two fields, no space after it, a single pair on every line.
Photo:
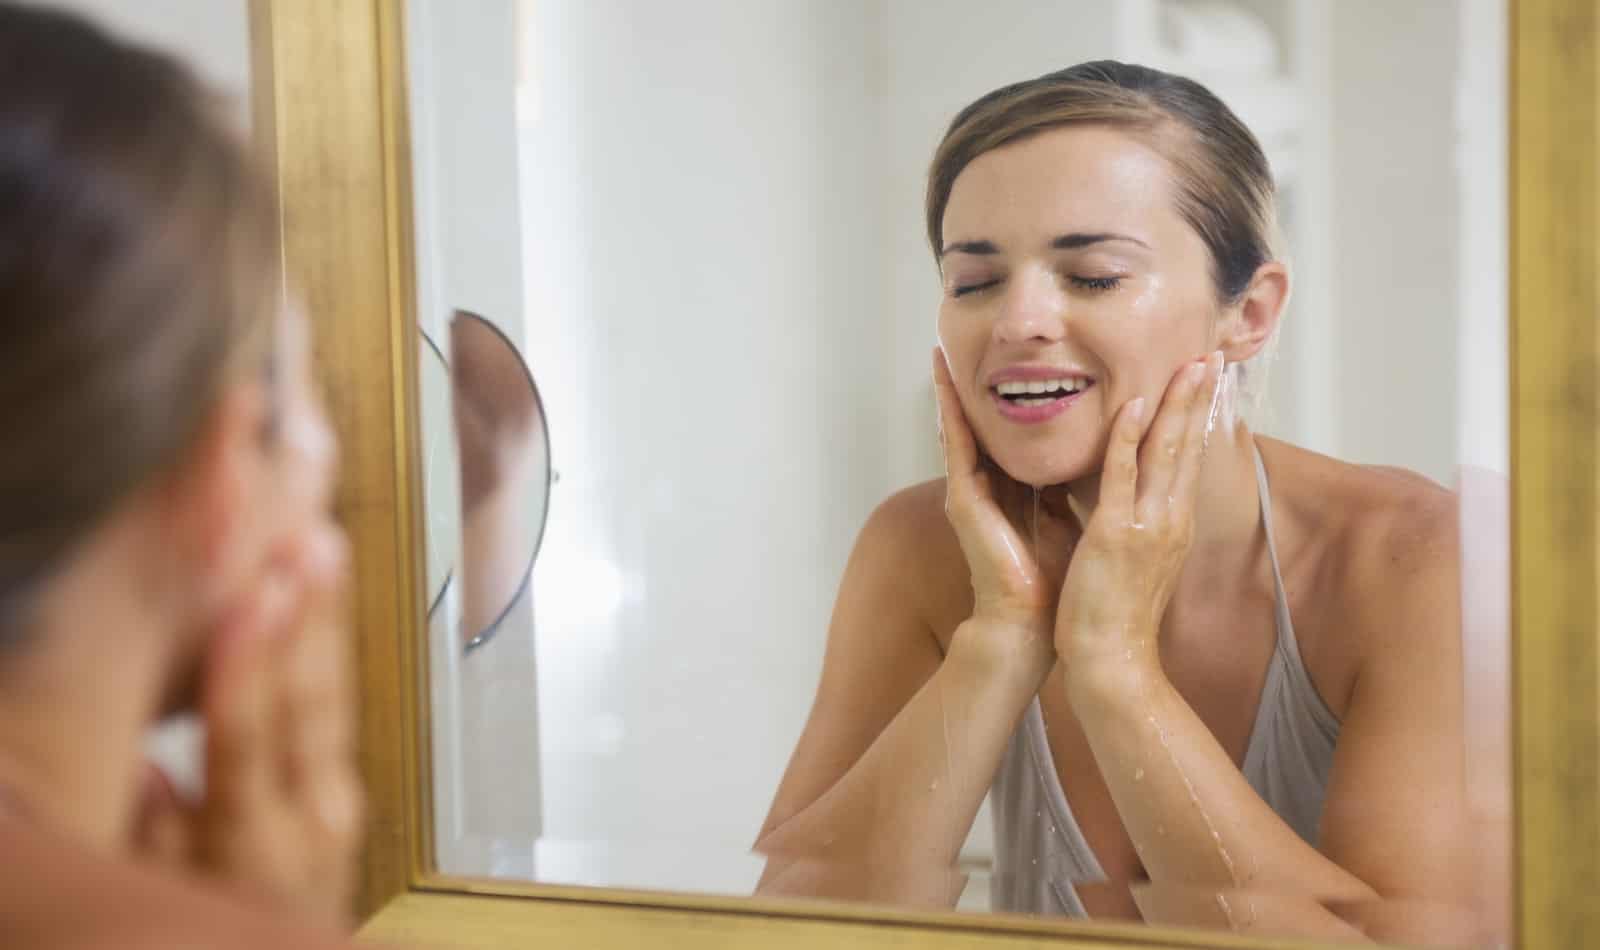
[1217,672]
[165,539]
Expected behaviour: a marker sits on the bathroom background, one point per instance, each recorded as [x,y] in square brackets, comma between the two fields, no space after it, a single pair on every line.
[701,222]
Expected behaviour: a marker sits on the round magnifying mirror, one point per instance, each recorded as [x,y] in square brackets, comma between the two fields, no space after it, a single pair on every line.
[487,475]
[503,452]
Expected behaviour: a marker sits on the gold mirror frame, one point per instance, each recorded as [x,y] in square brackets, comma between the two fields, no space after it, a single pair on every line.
[330,110]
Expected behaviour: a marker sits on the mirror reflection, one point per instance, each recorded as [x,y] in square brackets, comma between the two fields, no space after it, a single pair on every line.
[1042,458]
[440,472]
[487,474]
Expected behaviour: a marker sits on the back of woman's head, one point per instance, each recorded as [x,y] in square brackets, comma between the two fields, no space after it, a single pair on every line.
[136,250]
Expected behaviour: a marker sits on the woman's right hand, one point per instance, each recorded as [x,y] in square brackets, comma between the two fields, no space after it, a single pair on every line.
[281,815]
[1016,547]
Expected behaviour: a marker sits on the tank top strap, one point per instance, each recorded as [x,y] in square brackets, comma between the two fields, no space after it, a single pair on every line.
[1287,652]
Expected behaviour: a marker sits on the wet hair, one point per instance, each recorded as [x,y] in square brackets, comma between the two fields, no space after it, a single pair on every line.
[1223,182]
[137,270]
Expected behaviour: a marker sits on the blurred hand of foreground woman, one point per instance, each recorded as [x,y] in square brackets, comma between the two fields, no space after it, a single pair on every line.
[281,814]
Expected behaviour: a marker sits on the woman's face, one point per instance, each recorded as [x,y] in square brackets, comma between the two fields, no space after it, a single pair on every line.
[1071,285]
[264,485]
[285,465]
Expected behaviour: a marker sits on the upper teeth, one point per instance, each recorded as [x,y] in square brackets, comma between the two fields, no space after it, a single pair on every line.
[1069,384]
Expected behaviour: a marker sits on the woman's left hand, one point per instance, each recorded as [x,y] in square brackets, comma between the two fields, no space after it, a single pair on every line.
[1134,545]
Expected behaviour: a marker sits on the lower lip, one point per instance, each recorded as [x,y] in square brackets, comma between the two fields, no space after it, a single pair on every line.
[1031,415]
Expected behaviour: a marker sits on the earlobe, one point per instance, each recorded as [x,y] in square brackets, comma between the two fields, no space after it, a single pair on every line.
[1255,317]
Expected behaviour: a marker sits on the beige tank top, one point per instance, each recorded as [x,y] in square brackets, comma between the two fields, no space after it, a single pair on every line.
[1040,852]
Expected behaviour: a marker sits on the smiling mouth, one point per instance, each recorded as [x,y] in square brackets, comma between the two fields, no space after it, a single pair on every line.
[1040,392]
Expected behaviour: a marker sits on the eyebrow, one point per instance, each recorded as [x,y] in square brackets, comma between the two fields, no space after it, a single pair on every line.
[1065,242]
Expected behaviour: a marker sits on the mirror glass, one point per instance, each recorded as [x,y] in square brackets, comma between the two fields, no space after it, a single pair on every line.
[441,473]
[767,648]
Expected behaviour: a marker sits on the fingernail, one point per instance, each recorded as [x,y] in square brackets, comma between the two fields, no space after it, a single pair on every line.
[1136,409]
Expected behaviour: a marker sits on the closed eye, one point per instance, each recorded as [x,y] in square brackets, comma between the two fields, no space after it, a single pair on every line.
[964,289]
[1096,283]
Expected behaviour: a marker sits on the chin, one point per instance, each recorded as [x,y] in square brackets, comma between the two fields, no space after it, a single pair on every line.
[1032,467]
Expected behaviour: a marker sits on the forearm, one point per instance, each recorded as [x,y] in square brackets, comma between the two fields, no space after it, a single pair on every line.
[1192,816]
[901,884]
[907,805]
[1254,912]
[1268,912]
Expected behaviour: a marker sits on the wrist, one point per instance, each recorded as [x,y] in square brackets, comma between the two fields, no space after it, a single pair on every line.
[1000,649]
[1102,677]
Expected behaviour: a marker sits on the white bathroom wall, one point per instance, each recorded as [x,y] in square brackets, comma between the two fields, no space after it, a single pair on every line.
[1396,239]
[1483,423]
[702,217]
[462,59]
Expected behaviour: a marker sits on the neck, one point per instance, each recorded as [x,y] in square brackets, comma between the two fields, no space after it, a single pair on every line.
[76,699]
[1227,506]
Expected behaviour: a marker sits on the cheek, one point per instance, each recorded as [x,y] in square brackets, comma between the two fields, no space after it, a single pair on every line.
[961,338]
[1146,342]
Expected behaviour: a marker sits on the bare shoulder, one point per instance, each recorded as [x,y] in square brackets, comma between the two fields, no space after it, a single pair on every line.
[1404,534]
[909,535]
[1375,560]
[909,510]
[72,898]
[1404,579]
[1372,523]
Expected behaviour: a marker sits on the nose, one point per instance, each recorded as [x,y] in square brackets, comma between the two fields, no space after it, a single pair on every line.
[1033,309]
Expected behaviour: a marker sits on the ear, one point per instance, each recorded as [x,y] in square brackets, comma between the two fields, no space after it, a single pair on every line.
[1248,324]
[210,496]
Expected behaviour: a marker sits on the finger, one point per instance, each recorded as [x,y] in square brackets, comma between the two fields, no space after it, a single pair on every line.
[960,448]
[162,825]
[335,807]
[316,702]
[324,785]
[1119,478]
[237,702]
[317,713]
[1159,454]
[1187,478]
